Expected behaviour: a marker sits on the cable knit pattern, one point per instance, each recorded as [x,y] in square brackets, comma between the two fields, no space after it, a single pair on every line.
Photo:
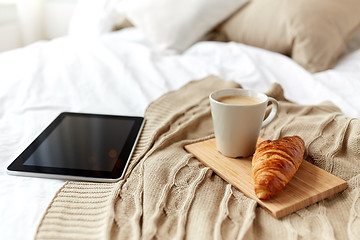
[169,194]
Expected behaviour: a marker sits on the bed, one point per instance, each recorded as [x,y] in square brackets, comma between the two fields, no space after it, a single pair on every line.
[121,73]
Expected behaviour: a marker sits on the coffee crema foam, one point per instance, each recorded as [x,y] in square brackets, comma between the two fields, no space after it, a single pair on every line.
[238,100]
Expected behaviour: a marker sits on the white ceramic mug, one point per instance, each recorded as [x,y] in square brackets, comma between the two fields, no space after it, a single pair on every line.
[237,127]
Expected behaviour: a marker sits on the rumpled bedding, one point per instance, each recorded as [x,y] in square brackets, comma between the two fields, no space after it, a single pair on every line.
[120,73]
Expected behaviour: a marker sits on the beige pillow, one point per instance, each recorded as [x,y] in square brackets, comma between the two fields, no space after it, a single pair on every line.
[312,32]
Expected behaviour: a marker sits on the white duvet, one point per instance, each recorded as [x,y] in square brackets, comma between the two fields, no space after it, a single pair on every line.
[121,74]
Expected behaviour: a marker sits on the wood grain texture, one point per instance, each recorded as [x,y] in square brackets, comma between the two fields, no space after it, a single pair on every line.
[309,185]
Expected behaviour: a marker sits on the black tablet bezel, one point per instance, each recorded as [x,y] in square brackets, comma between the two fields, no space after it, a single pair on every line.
[17,167]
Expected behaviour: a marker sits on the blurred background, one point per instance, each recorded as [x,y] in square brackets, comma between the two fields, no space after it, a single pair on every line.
[26,21]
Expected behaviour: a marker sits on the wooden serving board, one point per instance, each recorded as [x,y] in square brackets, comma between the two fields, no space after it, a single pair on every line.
[309,185]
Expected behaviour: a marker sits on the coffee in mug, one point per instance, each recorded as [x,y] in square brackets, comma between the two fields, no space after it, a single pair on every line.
[238,100]
[238,116]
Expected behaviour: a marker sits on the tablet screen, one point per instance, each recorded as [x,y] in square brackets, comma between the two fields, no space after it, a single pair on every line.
[82,144]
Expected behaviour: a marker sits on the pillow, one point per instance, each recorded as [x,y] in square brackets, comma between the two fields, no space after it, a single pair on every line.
[353,44]
[174,25]
[92,18]
[312,32]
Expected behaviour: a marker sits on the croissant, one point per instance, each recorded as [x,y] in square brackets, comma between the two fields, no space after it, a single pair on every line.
[274,163]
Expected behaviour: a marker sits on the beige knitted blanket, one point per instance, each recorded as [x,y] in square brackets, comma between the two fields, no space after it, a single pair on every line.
[169,194]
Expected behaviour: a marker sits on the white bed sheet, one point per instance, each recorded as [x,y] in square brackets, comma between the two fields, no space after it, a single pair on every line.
[119,73]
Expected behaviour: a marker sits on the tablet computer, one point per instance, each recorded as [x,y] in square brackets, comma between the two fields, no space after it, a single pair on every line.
[80,146]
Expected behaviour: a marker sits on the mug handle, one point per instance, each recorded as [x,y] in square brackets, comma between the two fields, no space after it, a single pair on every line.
[274,109]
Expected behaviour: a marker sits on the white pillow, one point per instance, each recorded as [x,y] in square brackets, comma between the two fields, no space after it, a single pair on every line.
[92,18]
[174,25]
